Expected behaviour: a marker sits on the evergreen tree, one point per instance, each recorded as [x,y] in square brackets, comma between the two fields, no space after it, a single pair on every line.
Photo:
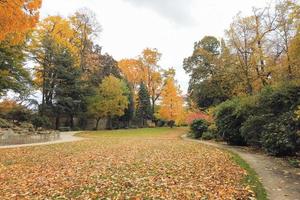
[68,97]
[144,106]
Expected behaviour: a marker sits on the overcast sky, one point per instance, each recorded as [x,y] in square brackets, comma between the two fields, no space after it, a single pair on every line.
[171,26]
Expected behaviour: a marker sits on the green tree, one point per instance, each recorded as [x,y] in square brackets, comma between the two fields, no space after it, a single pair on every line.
[68,93]
[13,75]
[144,110]
[111,100]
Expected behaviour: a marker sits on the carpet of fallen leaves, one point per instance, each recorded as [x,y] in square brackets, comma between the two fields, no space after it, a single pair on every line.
[160,167]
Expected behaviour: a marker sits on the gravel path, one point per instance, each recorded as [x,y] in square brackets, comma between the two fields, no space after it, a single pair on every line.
[281,181]
[64,137]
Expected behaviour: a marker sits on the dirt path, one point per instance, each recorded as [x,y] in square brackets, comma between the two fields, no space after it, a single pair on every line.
[64,137]
[282,182]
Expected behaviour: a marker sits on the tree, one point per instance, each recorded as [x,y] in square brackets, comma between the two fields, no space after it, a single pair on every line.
[152,74]
[110,101]
[171,107]
[68,95]
[13,75]
[53,36]
[144,111]
[86,28]
[17,17]
[132,69]
[208,66]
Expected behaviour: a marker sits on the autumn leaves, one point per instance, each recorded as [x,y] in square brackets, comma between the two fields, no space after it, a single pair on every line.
[160,84]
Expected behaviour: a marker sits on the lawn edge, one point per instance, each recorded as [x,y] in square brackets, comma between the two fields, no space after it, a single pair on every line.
[251,179]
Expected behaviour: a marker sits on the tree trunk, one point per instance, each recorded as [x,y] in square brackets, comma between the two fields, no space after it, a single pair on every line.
[57,123]
[97,123]
[72,121]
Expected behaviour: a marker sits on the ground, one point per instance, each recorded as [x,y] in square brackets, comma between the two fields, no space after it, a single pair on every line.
[281,181]
[126,164]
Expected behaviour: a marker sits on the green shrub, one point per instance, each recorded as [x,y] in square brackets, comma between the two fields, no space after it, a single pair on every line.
[207,136]
[280,99]
[229,120]
[198,127]
[253,128]
[40,121]
[280,136]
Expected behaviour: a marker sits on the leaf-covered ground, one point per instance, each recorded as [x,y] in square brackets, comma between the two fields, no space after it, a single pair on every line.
[130,164]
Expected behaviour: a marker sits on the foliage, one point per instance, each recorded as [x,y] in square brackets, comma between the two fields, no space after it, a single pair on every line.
[110,100]
[171,106]
[13,75]
[197,115]
[12,110]
[252,129]
[268,120]
[229,120]
[280,136]
[144,111]
[40,121]
[207,136]
[198,127]
[17,17]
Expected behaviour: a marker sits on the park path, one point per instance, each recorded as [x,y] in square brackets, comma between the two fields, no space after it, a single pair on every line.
[64,137]
[281,181]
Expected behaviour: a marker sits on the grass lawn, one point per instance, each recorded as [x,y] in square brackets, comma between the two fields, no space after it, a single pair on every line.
[123,164]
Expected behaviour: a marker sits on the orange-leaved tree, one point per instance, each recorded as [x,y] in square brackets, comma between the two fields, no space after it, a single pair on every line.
[17,17]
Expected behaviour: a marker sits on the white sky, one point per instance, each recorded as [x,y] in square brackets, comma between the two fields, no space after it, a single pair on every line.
[171,26]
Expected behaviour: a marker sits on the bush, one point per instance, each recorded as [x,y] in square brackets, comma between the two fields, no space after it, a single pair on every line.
[198,127]
[279,99]
[171,123]
[229,120]
[160,123]
[207,136]
[280,136]
[40,121]
[253,128]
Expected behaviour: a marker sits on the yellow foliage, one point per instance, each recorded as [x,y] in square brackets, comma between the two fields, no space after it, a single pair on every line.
[171,107]
[111,99]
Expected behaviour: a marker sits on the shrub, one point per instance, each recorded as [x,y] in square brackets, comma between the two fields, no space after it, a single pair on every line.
[280,99]
[198,127]
[207,136]
[229,121]
[280,136]
[40,121]
[171,123]
[253,128]
[160,123]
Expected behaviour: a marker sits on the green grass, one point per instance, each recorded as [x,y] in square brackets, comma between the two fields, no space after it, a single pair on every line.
[144,132]
[252,178]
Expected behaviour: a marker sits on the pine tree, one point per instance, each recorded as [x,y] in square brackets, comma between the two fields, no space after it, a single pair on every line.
[144,105]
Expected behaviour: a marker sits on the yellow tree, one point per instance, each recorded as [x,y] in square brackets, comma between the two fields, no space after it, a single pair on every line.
[152,74]
[171,107]
[111,99]
[17,17]
[132,69]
